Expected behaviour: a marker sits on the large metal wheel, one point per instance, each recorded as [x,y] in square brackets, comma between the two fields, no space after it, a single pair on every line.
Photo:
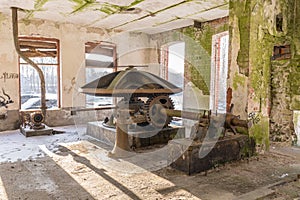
[154,110]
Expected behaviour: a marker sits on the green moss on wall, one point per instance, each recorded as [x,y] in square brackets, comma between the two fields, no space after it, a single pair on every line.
[81,5]
[258,36]
[199,55]
[242,10]
[238,80]
[260,132]
[38,6]
[249,148]
[197,79]
[109,8]
[204,35]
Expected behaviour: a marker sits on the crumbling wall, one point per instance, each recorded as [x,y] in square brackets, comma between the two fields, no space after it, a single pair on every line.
[239,20]
[273,89]
[270,78]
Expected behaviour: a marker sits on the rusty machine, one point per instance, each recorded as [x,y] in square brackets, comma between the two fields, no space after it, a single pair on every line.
[145,101]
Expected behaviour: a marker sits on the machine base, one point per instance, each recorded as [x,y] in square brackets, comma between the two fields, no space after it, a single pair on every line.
[137,137]
[27,132]
[200,157]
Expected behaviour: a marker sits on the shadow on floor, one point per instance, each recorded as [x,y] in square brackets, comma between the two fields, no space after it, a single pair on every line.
[39,179]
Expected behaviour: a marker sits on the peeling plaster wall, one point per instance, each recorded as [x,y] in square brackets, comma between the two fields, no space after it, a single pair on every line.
[133,49]
[237,80]
[9,64]
[72,39]
[273,88]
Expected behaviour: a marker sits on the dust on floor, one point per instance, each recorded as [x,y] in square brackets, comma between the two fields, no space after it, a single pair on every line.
[74,166]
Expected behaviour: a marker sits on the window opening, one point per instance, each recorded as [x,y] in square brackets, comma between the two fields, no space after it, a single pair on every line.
[45,53]
[100,60]
[172,69]
[219,70]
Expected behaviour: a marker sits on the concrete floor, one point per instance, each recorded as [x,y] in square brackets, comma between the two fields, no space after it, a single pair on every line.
[74,166]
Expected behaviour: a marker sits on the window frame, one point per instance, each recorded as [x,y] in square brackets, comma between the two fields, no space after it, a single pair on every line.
[104,44]
[216,76]
[37,39]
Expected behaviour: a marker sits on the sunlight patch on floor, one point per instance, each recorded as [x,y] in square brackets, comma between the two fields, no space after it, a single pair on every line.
[104,177]
[3,194]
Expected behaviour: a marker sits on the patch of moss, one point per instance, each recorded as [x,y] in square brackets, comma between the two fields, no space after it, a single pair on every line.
[199,55]
[197,80]
[204,35]
[134,3]
[242,10]
[38,6]
[109,8]
[295,104]
[248,149]
[81,5]
[242,130]
[238,80]
[260,132]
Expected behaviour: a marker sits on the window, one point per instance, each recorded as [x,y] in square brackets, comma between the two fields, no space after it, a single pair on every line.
[100,59]
[45,53]
[172,59]
[219,70]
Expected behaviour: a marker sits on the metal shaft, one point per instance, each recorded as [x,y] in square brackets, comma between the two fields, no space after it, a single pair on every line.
[184,114]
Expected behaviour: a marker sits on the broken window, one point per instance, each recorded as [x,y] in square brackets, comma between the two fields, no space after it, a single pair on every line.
[100,60]
[45,53]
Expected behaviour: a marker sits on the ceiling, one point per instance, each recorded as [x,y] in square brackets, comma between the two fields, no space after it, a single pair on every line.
[148,16]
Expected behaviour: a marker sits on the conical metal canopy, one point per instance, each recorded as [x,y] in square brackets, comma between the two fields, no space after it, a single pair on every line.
[127,82]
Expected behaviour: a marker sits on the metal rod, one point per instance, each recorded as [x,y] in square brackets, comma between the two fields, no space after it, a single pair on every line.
[74,112]
[29,61]
[184,114]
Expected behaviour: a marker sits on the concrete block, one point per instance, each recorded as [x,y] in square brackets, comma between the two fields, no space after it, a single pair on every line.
[27,132]
[224,150]
[138,137]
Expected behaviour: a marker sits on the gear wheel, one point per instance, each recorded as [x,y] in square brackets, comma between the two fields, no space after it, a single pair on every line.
[153,108]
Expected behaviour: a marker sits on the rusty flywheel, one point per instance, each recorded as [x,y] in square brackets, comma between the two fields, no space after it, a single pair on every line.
[154,107]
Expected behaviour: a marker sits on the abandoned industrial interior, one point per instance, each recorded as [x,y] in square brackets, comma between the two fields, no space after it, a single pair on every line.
[148,99]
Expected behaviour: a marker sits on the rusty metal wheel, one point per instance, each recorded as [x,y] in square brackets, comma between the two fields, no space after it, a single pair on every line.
[154,110]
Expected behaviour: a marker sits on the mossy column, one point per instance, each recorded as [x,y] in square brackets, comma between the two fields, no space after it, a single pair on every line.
[250,67]
[273,85]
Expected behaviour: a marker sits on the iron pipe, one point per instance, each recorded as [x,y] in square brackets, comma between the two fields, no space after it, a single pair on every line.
[28,60]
